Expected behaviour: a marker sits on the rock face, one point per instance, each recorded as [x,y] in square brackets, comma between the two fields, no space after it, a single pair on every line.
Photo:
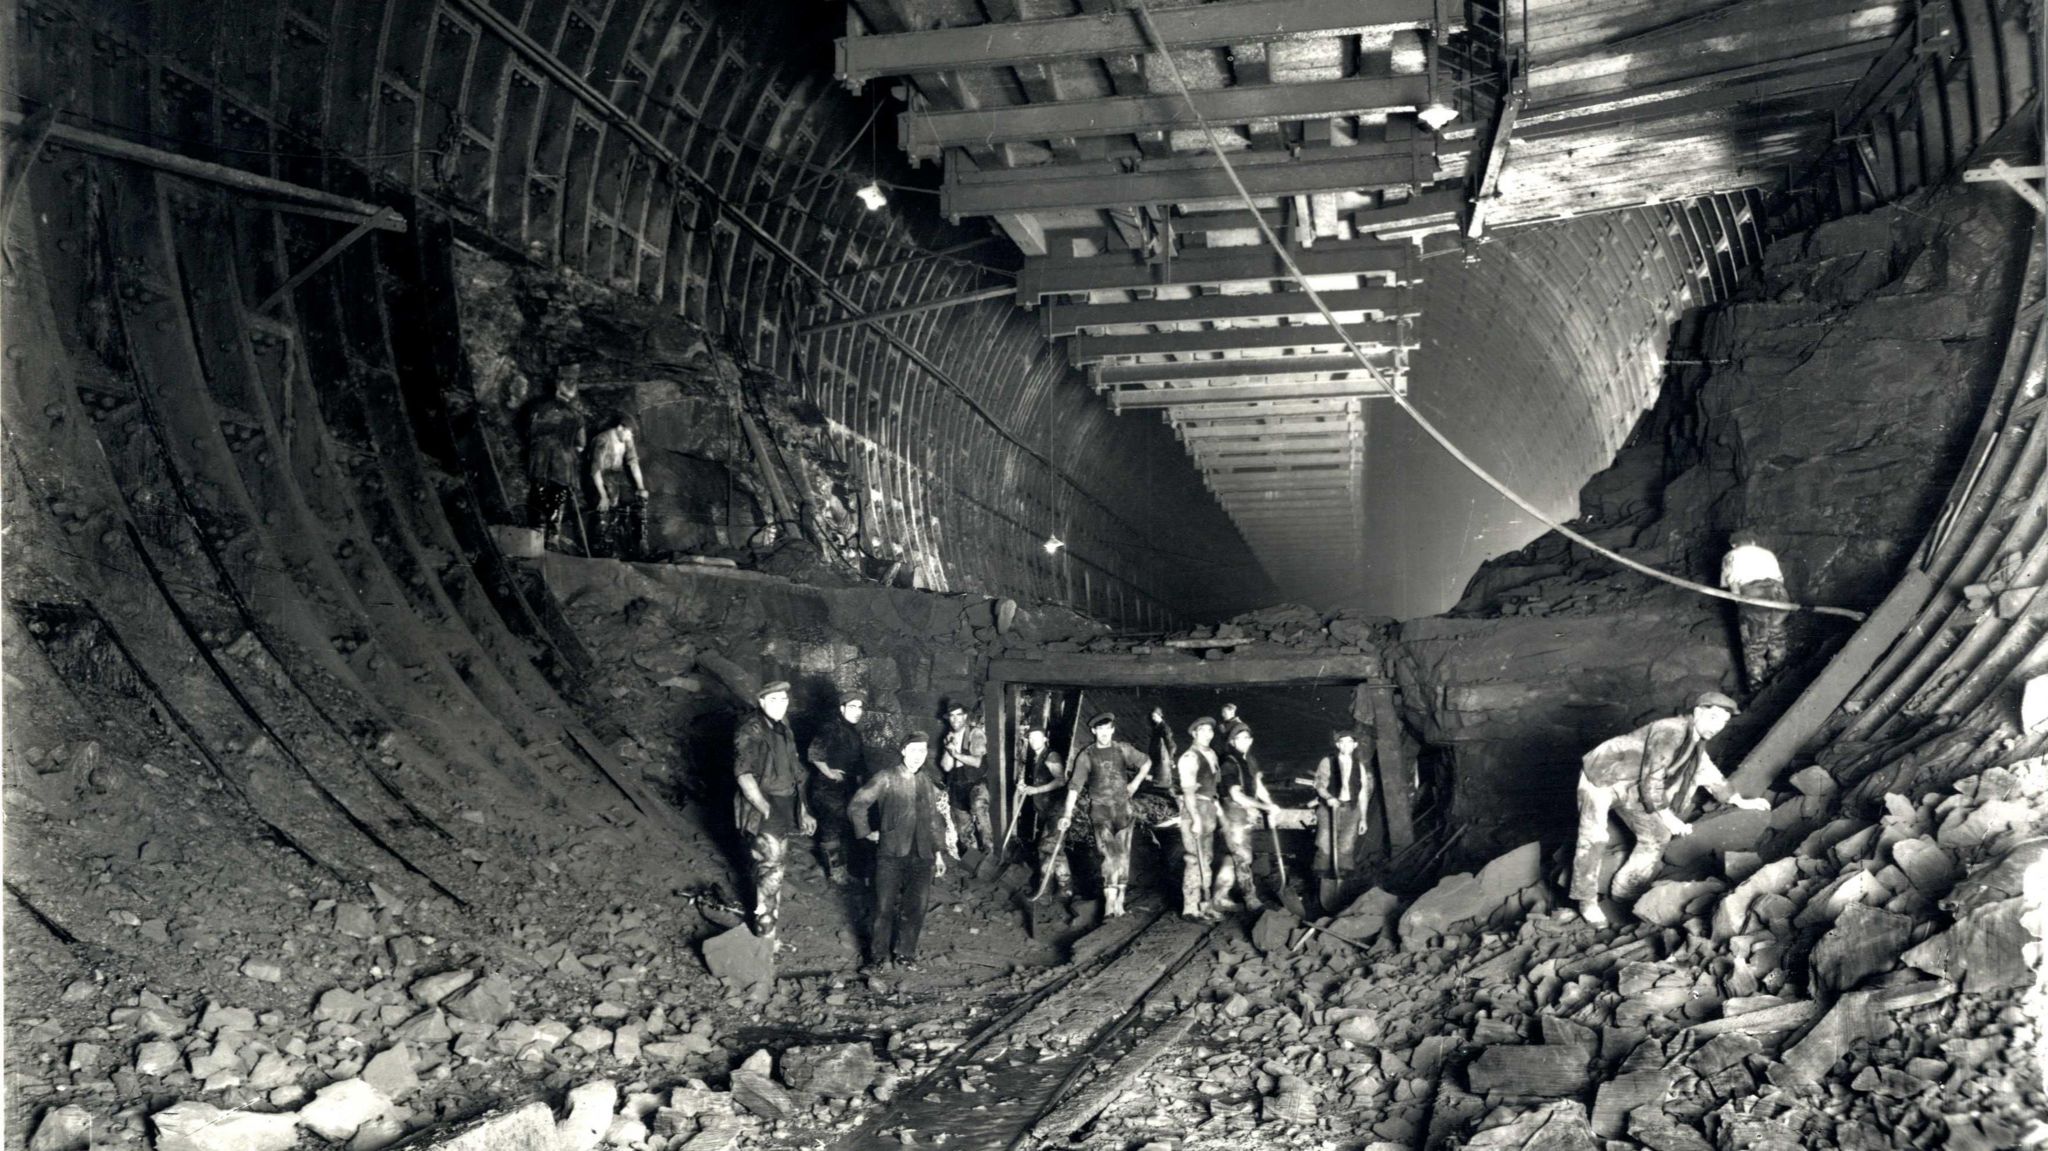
[1835,399]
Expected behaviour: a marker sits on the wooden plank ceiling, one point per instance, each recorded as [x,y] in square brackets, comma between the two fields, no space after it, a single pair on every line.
[1057,120]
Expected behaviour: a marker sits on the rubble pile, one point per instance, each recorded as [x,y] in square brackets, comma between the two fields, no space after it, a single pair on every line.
[1876,985]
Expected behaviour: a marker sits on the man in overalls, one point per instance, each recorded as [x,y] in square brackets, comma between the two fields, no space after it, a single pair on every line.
[1197,773]
[1109,771]
[1646,777]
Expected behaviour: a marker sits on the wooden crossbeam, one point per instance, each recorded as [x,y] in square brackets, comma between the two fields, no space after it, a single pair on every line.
[1412,163]
[925,134]
[1136,399]
[1044,276]
[1095,35]
[1184,371]
[1070,319]
[1369,335]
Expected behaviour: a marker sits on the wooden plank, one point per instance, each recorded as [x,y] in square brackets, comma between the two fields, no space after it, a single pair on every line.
[1071,319]
[1176,670]
[1139,399]
[995,716]
[1186,371]
[1091,36]
[1369,335]
[928,133]
[1397,777]
[1208,267]
[1080,1110]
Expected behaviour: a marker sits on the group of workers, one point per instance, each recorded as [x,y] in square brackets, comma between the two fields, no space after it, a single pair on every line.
[562,456]
[1213,792]
[908,820]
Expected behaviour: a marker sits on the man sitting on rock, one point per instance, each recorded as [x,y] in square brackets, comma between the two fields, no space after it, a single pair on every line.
[770,805]
[912,839]
[1646,777]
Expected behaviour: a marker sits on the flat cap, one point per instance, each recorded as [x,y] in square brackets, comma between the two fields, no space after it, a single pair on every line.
[859,697]
[1102,717]
[1236,725]
[959,707]
[773,686]
[916,737]
[1716,699]
[1207,721]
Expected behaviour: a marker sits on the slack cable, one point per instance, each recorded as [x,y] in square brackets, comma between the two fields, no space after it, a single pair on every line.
[1266,231]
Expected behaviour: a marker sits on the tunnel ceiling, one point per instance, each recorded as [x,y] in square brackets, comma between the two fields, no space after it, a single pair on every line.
[1064,125]
[1515,273]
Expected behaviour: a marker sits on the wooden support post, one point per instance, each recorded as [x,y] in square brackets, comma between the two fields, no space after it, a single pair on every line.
[1397,778]
[995,717]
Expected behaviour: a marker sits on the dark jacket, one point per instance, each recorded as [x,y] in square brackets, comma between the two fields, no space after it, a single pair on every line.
[766,750]
[837,745]
[910,822]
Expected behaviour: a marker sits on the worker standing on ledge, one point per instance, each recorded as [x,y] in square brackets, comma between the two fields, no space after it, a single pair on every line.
[840,762]
[912,840]
[770,805]
[1109,771]
[1244,796]
[1646,777]
[1197,772]
[1751,569]
[621,516]
[554,442]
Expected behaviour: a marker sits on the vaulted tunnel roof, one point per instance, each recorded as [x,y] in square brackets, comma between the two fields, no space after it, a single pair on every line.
[1516,283]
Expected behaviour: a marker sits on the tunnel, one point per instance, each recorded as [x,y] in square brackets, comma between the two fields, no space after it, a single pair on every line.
[666,574]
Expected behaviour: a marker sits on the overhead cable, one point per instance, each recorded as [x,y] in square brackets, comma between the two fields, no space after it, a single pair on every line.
[1266,231]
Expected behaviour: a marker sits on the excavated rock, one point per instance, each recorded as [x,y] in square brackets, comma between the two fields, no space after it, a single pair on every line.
[745,961]
[835,1071]
[194,1126]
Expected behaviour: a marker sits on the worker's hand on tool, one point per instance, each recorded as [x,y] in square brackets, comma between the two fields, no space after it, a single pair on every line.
[874,837]
[1676,826]
[604,501]
[1751,803]
[938,863]
[806,823]
[1066,821]
[1158,715]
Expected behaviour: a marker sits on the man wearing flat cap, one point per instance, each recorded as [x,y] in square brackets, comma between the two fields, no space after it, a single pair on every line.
[1108,772]
[839,766]
[900,813]
[961,754]
[1646,777]
[770,805]
[1343,787]
[1042,771]
[1196,773]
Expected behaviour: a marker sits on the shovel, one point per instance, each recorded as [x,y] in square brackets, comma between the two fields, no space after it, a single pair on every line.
[1288,898]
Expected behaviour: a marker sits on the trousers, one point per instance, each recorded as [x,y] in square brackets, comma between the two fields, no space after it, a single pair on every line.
[767,853]
[1198,823]
[902,885]
[1595,803]
[1763,633]
[1237,825]
[1113,845]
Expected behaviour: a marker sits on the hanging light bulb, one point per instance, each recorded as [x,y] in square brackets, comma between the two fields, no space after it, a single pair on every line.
[1437,115]
[1053,544]
[871,196]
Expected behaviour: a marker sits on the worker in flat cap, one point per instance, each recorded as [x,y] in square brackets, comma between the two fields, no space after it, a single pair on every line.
[962,759]
[1243,786]
[839,766]
[1343,786]
[1108,772]
[770,805]
[899,811]
[1647,777]
[1197,772]
[1044,771]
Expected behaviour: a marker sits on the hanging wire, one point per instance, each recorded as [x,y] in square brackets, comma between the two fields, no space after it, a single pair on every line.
[1373,373]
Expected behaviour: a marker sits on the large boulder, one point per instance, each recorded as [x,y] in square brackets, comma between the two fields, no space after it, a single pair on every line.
[192,1126]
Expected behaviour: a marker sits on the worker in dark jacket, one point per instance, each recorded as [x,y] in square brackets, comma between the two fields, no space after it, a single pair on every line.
[770,805]
[1646,777]
[912,838]
[1108,772]
[1243,795]
[1343,786]
[839,762]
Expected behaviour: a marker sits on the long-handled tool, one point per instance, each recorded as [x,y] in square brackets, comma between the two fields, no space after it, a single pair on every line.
[1288,899]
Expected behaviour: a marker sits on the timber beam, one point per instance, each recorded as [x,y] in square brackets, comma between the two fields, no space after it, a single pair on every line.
[1252,264]
[1370,336]
[1184,371]
[1071,319]
[1118,33]
[1196,417]
[1412,163]
[1240,429]
[927,133]
[1141,399]
[1083,670]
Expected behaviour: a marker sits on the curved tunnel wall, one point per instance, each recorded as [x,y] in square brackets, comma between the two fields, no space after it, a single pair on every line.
[648,146]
